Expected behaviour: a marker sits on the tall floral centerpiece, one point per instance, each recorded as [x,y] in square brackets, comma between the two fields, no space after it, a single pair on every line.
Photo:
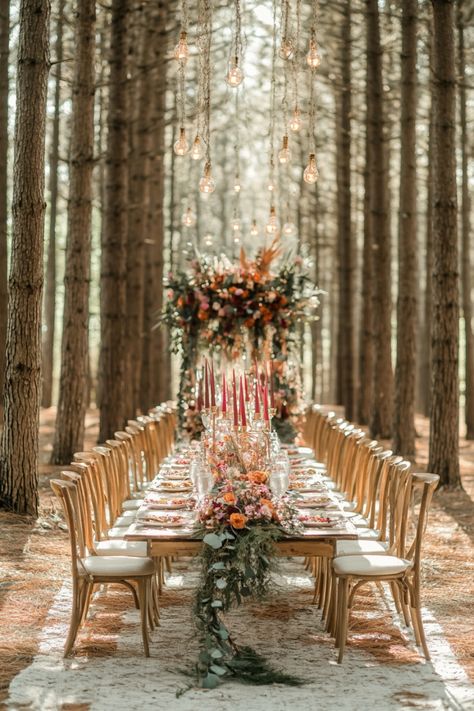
[249,309]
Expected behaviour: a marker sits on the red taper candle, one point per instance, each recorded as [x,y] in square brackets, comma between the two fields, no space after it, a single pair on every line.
[234,400]
[246,385]
[199,397]
[265,404]
[272,391]
[257,398]
[224,395]
[243,416]
[206,387]
[213,386]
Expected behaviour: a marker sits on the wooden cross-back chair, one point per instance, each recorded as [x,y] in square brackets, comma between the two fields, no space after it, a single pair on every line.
[136,573]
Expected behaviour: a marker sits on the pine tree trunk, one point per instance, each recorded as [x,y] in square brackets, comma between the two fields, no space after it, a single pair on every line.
[366,335]
[344,214]
[424,368]
[139,206]
[49,301]
[381,419]
[444,430]
[19,443]
[155,375]
[405,373]
[465,234]
[113,263]
[4,34]
[73,387]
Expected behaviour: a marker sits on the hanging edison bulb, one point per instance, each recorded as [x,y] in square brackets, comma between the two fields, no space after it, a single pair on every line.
[254,229]
[271,187]
[207,184]
[181,51]
[234,75]
[295,121]
[288,229]
[189,218]
[311,173]
[181,147]
[237,185]
[236,224]
[287,48]
[208,240]
[271,228]
[284,155]
[197,151]
[313,58]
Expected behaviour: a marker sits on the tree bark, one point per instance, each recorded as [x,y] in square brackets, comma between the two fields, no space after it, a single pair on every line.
[49,302]
[366,334]
[4,34]
[407,305]
[73,388]
[381,420]
[344,221]
[444,430]
[139,190]
[19,443]
[113,261]
[465,233]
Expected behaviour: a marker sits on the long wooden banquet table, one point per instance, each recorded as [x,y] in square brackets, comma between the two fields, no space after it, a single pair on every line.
[182,541]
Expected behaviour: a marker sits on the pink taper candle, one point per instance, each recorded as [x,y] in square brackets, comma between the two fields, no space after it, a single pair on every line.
[257,399]
[272,392]
[224,395]
[265,404]
[206,388]
[243,416]
[213,386]
[234,400]
[246,384]
[199,397]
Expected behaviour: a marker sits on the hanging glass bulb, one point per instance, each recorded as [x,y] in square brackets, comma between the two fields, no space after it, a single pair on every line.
[284,155]
[254,229]
[208,240]
[311,173]
[236,224]
[271,228]
[181,51]
[287,48]
[207,184]
[289,229]
[196,151]
[271,187]
[313,58]
[236,239]
[181,147]
[237,186]
[189,218]
[234,75]
[295,121]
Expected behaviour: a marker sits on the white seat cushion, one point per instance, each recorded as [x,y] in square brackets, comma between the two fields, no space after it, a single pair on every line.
[117,531]
[363,547]
[368,534]
[118,566]
[121,547]
[132,504]
[366,565]
[125,519]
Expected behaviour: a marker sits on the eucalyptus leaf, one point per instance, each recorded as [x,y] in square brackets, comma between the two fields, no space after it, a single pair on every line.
[217,669]
[218,566]
[216,603]
[223,634]
[210,681]
[213,540]
[221,583]
[216,653]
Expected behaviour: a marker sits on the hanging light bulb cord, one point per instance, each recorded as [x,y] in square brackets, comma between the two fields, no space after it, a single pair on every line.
[206,40]
[312,79]
[296,56]
[273,100]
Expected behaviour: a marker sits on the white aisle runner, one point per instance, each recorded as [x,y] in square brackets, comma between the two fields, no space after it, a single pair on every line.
[126,680]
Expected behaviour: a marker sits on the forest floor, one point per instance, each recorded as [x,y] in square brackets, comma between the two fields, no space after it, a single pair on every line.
[34,564]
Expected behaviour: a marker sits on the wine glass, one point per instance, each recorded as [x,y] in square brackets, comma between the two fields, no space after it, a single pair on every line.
[204,482]
[280,474]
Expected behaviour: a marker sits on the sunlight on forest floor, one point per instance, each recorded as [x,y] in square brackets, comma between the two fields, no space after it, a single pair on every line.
[35,563]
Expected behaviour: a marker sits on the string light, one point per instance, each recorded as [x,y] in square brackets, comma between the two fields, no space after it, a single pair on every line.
[235,75]
[236,224]
[189,218]
[237,185]
[207,184]
[181,51]
[197,151]
[181,147]
[271,228]
[295,121]
[313,58]
[287,48]
[254,232]
[288,229]
[284,154]
[311,173]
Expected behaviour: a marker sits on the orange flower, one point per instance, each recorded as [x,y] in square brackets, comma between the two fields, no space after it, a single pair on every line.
[266,502]
[229,497]
[249,322]
[238,520]
[257,477]
[203,315]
